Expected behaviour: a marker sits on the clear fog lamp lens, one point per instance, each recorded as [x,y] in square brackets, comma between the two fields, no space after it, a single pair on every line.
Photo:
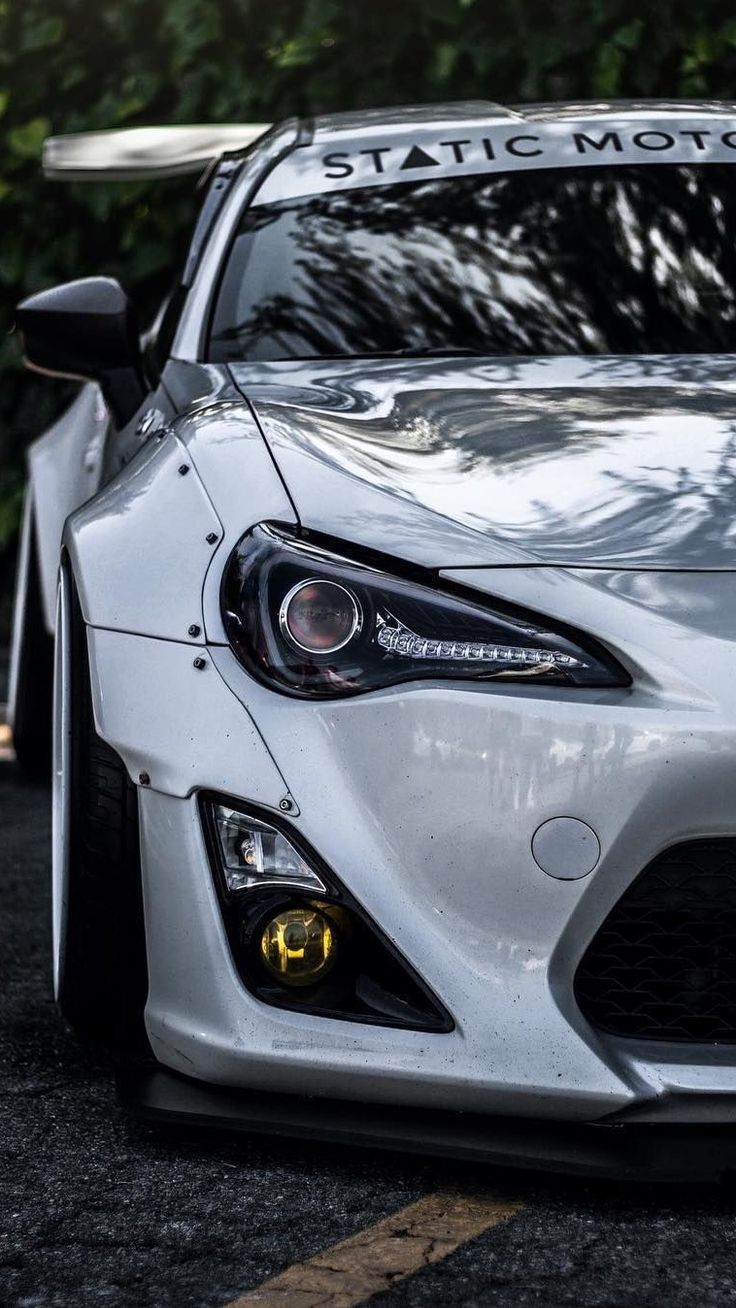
[253,854]
[299,946]
[320,616]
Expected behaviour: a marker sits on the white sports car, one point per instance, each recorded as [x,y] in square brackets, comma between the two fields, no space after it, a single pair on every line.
[391,584]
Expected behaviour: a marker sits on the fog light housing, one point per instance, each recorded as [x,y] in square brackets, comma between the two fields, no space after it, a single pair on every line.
[298,938]
[299,946]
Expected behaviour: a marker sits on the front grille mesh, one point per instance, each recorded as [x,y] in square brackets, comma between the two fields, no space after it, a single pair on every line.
[663,965]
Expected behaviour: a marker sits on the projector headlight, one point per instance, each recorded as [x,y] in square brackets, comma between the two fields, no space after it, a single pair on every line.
[307,621]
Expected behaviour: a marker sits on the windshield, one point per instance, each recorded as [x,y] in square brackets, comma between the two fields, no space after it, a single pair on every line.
[608,260]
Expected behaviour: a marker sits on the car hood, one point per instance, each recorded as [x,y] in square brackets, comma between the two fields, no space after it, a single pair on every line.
[589,462]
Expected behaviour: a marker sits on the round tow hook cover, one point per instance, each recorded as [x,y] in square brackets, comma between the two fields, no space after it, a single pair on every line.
[566,848]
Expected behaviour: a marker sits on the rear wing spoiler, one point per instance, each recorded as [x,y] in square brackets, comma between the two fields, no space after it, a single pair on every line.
[138,153]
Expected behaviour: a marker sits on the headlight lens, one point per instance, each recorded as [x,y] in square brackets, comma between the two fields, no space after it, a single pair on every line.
[310,622]
[320,616]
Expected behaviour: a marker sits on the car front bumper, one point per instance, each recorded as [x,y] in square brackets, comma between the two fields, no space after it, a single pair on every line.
[424,801]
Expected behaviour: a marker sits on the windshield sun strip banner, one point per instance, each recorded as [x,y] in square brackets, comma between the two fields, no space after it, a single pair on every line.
[335,162]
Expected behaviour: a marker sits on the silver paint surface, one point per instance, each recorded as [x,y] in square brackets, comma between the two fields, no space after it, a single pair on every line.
[566,848]
[603,461]
[134,153]
[139,549]
[65,468]
[61,777]
[185,729]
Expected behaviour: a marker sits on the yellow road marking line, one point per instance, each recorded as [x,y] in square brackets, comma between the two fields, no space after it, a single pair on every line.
[378,1257]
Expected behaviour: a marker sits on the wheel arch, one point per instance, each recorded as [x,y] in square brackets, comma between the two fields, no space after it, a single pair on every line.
[144,547]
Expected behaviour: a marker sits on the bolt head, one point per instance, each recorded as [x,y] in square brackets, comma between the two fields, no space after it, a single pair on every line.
[184,469]
[194,630]
[144,779]
[285,805]
[200,662]
[211,537]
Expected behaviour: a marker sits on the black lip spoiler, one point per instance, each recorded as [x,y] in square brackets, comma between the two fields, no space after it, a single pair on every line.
[610,1151]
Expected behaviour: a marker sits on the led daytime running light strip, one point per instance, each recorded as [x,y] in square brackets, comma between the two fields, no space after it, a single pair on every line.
[406,643]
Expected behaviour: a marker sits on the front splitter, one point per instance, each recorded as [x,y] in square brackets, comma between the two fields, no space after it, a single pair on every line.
[661,1153]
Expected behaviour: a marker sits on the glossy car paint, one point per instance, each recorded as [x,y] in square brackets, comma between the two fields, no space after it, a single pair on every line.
[61,778]
[142,153]
[595,462]
[156,517]
[64,470]
[494,474]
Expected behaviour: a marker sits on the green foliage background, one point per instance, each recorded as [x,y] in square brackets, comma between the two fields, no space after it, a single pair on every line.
[72,65]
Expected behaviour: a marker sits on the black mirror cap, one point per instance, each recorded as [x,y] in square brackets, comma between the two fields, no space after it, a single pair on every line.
[87,329]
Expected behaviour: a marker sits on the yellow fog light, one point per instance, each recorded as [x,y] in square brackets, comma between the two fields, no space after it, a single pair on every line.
[299,946]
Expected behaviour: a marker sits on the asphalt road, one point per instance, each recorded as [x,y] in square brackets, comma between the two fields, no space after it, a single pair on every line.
[98,1210]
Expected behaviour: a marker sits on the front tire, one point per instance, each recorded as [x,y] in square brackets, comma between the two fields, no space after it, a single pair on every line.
[99,934]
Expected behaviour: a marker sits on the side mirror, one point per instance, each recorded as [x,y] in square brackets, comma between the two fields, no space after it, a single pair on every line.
[87,329]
